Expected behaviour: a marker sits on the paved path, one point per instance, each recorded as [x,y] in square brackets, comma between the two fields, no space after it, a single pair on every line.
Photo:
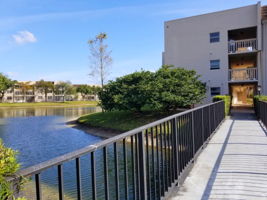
[233,166]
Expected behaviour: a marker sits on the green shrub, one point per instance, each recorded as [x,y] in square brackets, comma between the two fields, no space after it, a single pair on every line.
[165,90]
[227,102]
[260,98]
[8,167]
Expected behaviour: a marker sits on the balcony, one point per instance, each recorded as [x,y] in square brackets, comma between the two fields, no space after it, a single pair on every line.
[243,75]
[242,46]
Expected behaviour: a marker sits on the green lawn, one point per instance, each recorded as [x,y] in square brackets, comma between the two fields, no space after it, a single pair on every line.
[68,103]
[120,120]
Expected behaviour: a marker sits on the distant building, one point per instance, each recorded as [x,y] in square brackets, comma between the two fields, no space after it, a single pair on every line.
[227,48]
[26,91]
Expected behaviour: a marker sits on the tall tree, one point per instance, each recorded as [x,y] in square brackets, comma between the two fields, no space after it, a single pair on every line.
[25,87]
[100,57]
[84,90]
[64,88]
[5,84]
[45,87]
[96,90]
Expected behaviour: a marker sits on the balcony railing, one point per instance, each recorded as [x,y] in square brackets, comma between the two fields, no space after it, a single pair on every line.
[242,46]
[244,74]
[145,163]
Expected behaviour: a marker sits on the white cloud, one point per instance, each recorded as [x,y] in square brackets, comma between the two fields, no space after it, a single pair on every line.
[23,37]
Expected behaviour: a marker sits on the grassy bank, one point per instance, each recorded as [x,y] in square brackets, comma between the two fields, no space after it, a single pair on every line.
[120,120]
[67,103]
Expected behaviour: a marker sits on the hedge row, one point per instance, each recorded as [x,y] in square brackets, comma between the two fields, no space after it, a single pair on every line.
[260,98]
[227,102]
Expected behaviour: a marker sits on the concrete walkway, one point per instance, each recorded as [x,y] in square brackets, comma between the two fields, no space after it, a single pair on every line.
[233,166]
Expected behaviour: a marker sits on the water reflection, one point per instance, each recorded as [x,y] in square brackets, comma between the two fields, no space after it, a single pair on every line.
[40,134]
[67,112]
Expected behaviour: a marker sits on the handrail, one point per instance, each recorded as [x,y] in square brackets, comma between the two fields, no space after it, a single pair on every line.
[88,149]
[200,123]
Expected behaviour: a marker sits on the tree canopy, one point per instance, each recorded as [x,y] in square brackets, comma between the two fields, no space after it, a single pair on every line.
[5,84]
[45,87]
[167,89]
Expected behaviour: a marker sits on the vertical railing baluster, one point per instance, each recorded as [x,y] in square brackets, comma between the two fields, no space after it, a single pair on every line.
[133,167]
[78,179]
[117,185]
[137,158]
[169,152]
[158,164]
[105,158]
[60,182]
[162,161]
[142,166]
[175,149]
[166,157]
[202,126]
[193,134]
[153,163]
[93,175]
[181,142]
[38,187]
[215,118]
[209,121]
[125,169]
[147,165]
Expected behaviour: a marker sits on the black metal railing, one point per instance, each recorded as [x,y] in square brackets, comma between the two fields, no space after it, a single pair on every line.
[261,111]
[145,163]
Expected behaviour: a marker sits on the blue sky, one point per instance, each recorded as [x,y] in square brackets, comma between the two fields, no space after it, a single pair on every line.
[47,39]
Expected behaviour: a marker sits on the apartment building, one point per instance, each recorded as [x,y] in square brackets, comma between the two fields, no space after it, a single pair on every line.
[26,91]
[227,48]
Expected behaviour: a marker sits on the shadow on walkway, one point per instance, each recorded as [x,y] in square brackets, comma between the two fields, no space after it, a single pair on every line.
[240,171]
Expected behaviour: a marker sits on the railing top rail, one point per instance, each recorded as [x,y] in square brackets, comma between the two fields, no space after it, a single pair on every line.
[80,152]
[244,69]
[250,39]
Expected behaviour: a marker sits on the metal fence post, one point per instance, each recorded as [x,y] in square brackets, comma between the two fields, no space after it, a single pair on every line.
[175,150]
[193,133]
[202,126]
[209,122]
[214,118]
[142,166]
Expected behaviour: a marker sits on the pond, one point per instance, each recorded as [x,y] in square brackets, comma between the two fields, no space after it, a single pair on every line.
[40,134]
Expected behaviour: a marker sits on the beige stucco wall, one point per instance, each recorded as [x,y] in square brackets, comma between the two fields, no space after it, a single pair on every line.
[187,42]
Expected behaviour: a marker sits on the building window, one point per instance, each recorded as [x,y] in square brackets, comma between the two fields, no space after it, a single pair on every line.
[9,98]
[18,93]
[214,37]
[215,91]
[49,97]
[40,97]
[214,64]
